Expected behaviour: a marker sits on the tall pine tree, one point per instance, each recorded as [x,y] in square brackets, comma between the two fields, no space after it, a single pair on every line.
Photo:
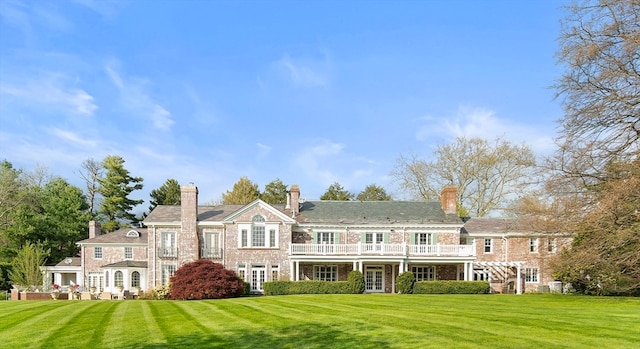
[115,188]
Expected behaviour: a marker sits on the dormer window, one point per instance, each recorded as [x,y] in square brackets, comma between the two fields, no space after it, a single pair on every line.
[133,234]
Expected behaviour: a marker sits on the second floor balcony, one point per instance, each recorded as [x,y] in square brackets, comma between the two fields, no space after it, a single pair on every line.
[211,253]
[382,249]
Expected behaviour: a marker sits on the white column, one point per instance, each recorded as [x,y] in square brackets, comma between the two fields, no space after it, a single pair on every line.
[361,268]
[470,271]
[393,278]
[401,267]
[355,265]
[519,283]
[466,271]
[297,271]
[457,272]
[292,270]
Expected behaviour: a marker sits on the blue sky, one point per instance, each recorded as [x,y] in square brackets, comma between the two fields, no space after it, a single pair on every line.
[311,92]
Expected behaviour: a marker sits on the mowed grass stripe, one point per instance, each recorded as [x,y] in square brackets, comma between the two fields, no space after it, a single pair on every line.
[329,321]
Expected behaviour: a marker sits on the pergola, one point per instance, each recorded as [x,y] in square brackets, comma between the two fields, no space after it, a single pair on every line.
[503,265]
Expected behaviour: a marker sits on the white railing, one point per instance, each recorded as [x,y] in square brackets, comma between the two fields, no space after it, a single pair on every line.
[382,249]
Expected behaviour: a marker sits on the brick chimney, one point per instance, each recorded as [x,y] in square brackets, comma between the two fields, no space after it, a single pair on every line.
[294,193]
[448,200]
[187,242]
[94,229]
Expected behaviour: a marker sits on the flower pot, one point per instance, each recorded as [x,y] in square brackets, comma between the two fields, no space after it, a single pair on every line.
[55,295]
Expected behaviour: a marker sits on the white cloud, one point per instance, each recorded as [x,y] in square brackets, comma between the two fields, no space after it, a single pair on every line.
[51,92]
[304,73]
[72,137]
[134,97]
[313,160]
[263,150]
[483,123]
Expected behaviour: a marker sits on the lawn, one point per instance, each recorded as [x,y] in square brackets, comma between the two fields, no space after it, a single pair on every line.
[327,321]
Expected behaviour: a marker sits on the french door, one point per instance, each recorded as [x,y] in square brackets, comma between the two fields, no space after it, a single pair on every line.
[374,279]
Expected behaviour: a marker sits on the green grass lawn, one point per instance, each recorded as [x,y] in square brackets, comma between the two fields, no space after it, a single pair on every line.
[327,321]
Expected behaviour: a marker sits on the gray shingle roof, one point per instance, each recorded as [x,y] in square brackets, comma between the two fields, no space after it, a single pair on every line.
[127,264]
[374,212]
[119,237]
[326,211]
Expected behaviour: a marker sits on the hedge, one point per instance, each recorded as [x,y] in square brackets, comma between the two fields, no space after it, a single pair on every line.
[451,287]
[273,288]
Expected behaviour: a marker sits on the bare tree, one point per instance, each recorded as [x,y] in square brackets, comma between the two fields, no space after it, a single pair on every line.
[600,90]
[92,171]
[597,165]
[485,174]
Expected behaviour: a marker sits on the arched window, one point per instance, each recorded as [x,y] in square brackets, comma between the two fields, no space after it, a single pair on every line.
[118,279]
[258,231]
[135,279]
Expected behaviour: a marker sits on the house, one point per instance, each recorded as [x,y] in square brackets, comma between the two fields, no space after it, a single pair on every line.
[512,249]
[317,240]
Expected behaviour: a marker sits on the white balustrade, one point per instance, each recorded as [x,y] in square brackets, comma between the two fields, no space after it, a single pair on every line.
[382,249]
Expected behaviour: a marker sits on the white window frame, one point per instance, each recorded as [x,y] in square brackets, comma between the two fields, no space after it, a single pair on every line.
[168,244]
[96,280]
[488,245]
[211,244]
[258,234]
[135,279]
[533,245]
[118,278]
[326,237]
[325,272]
[531,275]
[242,271]
[167,272]
[424,272]
[97,252]
[275,273]
[552,245]
[128,252]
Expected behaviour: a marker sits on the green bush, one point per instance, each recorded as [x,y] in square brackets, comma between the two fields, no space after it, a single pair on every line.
[405,282]
[272,288]
[247,288]
[355,279]
[451,287]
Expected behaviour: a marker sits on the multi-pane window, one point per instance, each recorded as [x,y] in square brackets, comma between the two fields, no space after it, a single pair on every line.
[326,238]
[168,244]
[531,275]
[96,280]
[424,239]
[258,234]
[424,273]
[551,245]
[373,238]
[242,271]
[272,238]
[128,253]
[135,279]
[488,245]
[325,272]
[533,245]
[211,245]
[258,276]
[275,273]
[97,252]
[118,279]
[167,273]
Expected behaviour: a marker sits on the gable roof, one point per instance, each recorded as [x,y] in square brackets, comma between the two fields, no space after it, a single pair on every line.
[374,212]
[261,203]
[172,213]
[118,237]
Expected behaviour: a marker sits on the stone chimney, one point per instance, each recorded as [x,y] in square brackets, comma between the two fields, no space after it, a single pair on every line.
[448,200]
[294,193]
[94,229]
[187,242]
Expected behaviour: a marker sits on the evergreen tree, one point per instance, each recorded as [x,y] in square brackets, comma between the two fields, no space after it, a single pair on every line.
[166,194]
[275,192]
[115,188]
[373,193]
[337,192]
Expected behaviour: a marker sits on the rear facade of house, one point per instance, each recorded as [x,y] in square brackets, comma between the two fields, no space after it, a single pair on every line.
[319,240]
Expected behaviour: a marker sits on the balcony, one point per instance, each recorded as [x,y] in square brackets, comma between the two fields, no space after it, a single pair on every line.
[211,253]
[168,252]
[381,250]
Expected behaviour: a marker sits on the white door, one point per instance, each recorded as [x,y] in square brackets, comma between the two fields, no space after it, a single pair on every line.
[258,275]
[374,279]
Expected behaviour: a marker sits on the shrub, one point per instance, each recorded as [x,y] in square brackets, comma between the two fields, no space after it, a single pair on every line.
[355,279]
[272,288]
[405,282]
[204,279]
[451,287]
